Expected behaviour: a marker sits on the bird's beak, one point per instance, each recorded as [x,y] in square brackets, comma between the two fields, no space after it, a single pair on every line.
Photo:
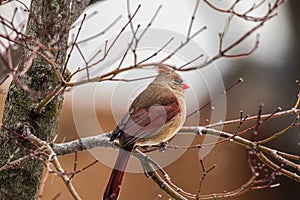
[184,86]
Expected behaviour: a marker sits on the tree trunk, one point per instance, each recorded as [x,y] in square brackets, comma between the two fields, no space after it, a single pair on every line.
[48,23]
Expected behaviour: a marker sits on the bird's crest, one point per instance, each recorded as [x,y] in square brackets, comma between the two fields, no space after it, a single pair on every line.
[164,69]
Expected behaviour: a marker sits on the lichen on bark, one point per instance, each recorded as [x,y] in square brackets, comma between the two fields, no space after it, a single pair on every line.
[48,24]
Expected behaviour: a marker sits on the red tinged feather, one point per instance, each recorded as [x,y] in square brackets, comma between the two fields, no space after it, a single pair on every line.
[154,116]
[115,181]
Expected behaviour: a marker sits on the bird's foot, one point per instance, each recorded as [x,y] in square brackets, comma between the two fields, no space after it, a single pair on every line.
[163,146]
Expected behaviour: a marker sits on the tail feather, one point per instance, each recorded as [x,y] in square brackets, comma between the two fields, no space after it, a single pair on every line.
[115,181]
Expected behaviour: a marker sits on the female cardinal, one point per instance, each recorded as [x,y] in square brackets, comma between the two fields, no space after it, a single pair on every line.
[153,117]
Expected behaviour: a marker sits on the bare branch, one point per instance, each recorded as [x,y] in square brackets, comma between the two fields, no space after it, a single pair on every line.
[252,118]
[246,15]
[72,47]
[52,158]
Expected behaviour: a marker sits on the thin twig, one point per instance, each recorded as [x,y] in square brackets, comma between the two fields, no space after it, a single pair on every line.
[52,158]
[252,118]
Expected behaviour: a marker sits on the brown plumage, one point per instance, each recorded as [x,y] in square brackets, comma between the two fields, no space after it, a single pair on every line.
[154,117]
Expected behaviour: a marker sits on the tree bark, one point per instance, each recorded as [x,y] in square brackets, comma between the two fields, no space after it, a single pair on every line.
[49,23]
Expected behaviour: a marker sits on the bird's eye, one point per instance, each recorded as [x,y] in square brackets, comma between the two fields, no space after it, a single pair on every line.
[178,80]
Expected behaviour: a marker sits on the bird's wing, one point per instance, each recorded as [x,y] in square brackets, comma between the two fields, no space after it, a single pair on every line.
[143,121]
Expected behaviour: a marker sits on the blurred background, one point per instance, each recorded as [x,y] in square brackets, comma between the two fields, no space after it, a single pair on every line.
[269,75]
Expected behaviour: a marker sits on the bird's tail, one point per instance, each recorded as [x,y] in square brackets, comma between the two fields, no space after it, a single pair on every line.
[115,181]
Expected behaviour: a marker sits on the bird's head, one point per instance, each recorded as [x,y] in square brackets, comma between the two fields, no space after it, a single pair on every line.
[167,75]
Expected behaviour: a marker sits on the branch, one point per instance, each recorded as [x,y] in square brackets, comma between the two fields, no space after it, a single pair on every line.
[246,15]
[257,148]
[82,144]
[52,157]
[152,169]
[253,118]
[103,141]
[166,185]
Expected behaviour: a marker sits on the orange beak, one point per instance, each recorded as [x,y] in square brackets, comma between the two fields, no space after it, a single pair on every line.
[184,86]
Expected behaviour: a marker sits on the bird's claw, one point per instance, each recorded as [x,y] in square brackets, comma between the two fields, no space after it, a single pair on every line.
[163,146]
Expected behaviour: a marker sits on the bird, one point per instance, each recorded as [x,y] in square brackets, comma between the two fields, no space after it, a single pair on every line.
[153,118]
